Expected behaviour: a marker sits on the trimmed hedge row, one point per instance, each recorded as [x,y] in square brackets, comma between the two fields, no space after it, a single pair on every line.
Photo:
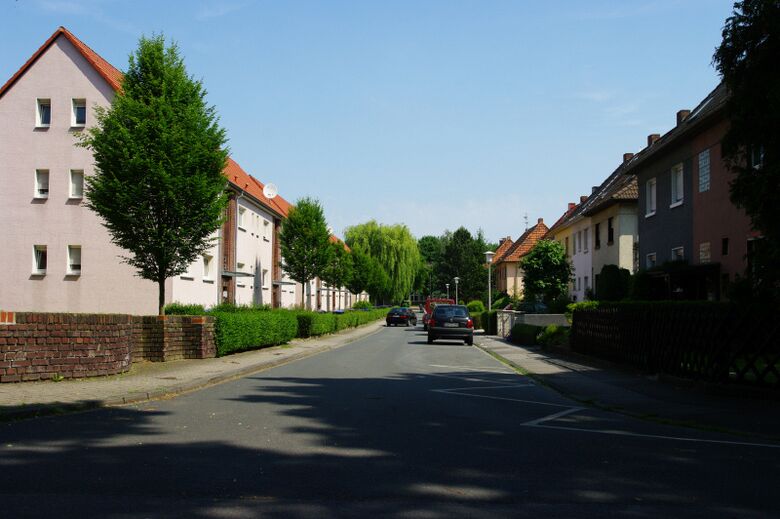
[314,324]
[487,321]
[238,331]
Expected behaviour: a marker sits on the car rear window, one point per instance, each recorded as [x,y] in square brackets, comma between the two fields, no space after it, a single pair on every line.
[450,311]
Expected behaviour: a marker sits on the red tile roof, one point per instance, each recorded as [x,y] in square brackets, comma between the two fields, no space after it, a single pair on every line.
[107,71]
[334,239]
[503,247]
[525,243]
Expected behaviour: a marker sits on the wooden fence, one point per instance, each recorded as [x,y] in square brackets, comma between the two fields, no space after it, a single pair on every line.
[713,343]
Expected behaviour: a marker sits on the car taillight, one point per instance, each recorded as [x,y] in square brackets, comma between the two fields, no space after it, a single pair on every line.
[469,324]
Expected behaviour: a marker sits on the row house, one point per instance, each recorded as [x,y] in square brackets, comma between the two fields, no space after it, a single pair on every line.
[509,255]
[57,256]
[600,230]
[685,214]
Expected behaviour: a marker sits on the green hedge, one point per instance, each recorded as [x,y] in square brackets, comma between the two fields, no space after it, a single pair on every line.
[554,335]
[182,309]
[476,307]
[525,334]
[314,324]
[359,305]
[485,321]
[238,331]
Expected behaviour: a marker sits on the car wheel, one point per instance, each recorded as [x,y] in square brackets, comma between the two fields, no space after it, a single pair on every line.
[430,340]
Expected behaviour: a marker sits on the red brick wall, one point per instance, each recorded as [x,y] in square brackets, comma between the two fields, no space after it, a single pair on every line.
[37,346]
[40,346]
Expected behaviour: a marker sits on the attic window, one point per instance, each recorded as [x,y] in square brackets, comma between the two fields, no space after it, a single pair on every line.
[79,115]
[43,113]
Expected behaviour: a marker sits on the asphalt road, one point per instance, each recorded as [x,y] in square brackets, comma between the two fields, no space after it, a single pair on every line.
[386,426]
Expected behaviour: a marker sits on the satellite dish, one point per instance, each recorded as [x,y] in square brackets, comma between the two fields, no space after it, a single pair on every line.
[270,191]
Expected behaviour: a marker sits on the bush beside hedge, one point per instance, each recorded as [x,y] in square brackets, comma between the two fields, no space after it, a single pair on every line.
[525,334]
[238,331]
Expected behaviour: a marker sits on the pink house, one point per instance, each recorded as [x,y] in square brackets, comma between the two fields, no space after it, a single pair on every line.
[56,254]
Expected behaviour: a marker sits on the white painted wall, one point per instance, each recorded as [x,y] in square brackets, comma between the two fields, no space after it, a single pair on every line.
[582,257]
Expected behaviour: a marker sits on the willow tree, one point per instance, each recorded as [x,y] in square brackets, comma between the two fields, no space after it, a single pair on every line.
[159,154]
[395,250]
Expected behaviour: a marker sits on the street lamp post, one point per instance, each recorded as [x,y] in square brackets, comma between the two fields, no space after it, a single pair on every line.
[457,279]
[489,260]
[448,290]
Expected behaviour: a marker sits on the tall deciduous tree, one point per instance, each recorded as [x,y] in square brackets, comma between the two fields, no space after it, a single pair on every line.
[304,240]
[159,154]
[338,271]
[748,60]
[395,250]
[547,271]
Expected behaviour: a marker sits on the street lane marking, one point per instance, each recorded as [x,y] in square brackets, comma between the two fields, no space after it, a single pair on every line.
[484,387]
[483,370]
[654,436]
[469,379]
[449,392]
[553,416]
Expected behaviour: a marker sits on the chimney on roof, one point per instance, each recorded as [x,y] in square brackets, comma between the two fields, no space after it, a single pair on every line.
[583,198]
[540,220]
[652,138]
[572,205]
[594,189]
[682,115]
[627,157]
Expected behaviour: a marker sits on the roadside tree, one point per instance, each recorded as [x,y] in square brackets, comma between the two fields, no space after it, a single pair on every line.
[159,154]
[547,272]
[304,240]
[338,271]
[747,58]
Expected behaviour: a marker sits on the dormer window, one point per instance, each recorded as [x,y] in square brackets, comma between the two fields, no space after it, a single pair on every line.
[79,114]
[43,113]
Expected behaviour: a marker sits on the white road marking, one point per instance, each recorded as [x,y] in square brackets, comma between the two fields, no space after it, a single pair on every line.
[467,379]
[655,436]
[482,370]
[449,392]
[554,416]
[484,387]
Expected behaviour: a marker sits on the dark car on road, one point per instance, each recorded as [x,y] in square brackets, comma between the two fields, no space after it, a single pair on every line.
[451,322]
[403,315]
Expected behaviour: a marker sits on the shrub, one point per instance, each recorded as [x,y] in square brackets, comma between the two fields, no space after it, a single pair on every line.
[182,309]
[230,307]
[554,335]
[501,302]
[476,306]
[476,318]
[490,322]
[360,305]
[244,330]
[525,334]
[613,283]
[559,305]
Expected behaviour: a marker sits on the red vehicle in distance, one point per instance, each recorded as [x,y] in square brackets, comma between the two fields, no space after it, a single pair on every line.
[430,304]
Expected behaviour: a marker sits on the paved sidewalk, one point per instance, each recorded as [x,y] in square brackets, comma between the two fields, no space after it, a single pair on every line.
[151,380]
[615,388]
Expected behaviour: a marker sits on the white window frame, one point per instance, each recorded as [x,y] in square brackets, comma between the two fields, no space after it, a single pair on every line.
[704,171]
[36,271]
[40,185]
[241,218]
[705,252]
[76,174]
[70,271]
[75,104]
[651,198]
[677,185]
[38,120]
[648,259]
[266,230]
[682,254]
[208,261]
[585,237]
[264,280]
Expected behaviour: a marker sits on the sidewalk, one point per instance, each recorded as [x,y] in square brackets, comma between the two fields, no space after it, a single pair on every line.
[615,388]
[150,380]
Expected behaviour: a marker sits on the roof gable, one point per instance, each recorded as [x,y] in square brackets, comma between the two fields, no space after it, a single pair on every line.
[525,243]
[107,71]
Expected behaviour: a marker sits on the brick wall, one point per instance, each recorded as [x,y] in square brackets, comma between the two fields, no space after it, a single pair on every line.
[36,346]
[40,346]
[173,337]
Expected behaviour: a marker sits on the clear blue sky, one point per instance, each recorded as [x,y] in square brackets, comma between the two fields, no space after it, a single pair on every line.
[432,113]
